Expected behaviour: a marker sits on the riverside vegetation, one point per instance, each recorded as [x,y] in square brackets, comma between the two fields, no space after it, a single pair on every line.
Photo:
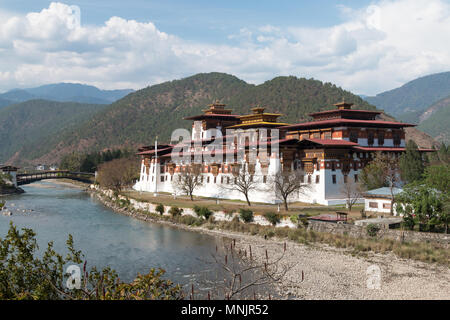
[27,275]
[426,252]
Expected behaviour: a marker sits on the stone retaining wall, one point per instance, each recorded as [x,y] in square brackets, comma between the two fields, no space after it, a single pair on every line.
[394,234]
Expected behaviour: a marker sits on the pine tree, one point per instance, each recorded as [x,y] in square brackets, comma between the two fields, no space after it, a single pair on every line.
[411,163]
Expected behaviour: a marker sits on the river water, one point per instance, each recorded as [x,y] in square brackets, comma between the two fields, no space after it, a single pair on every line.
[106,238]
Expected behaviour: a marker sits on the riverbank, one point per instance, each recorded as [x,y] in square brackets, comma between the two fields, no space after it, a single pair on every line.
[10,190]
[329,272]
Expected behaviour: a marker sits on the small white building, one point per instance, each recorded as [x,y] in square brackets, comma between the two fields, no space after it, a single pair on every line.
[380,200]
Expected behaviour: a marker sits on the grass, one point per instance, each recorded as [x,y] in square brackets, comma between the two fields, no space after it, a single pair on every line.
[235,205]
[426,252]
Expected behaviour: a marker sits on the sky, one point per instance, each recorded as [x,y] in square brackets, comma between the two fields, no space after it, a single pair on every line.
[366,47]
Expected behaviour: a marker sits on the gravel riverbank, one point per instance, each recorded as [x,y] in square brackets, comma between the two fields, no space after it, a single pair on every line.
[332,273]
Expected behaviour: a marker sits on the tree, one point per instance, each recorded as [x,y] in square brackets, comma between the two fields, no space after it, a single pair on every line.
[411,163]
[439,177]
[352,191]
[372,177]
[384,170]
[422,203]
[71,162]
[26,274]
[118,174]
[244,274]
[243,182]
[188,180]
[287,183]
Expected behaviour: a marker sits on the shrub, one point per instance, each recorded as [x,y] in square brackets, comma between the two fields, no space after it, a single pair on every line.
[294,219]
[188,219]
[175,211]
[160,209]
[304,221]
[203,212]
[246,215]
[372,229]
[272,217]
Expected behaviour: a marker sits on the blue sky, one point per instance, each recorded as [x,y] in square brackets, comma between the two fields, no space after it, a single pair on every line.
[363,46]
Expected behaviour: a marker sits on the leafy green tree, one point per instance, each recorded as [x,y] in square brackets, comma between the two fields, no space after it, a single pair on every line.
[438,177]
[411,163]
[422,204]
[372,177]
[27,275]
[71,162]
[246,215]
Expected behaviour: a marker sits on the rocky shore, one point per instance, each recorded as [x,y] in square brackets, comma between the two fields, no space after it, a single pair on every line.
[329,272]
[10,190]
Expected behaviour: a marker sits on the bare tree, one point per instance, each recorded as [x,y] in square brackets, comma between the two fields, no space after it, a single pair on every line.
[352,191]
[245,275]
[242,181]
[389,166]
[287,183]
[118,174]
[188,180]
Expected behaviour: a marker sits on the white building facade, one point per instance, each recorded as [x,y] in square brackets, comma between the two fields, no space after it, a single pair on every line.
[325,153]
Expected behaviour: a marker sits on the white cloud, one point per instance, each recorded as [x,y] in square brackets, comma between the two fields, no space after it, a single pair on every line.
[374,49]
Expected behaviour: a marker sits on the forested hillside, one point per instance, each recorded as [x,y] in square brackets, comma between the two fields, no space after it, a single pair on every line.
[415,95]
[25,128]
[139,117]
[157,110]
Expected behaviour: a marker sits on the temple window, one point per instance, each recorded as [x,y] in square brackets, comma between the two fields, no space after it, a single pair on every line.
[264,179]
[354,136]
[327,135]
[317,179]
[356,178]
[380,138]
[397,139]
[345,178]
[370,138]
[334,178]
[333,166]
[207,179]
[309,179]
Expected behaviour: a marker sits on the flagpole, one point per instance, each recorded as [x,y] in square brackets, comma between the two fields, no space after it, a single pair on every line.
[156,167]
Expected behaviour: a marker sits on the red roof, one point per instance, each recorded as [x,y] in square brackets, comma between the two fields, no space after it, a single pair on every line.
[399,149]
[214,115]
[209,152]
[344,110]
[153,151]
[346,121]
[332,142]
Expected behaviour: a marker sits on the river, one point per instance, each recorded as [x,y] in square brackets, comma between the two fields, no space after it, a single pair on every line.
[106,238]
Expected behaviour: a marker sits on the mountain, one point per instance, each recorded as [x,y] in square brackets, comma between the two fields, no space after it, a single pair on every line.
[66,92]
[5,102]
[415,95]
[157,110]
[26,127]
[436,119]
